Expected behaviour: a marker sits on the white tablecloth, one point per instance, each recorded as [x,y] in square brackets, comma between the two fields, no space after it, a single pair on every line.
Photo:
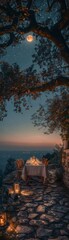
[30,170]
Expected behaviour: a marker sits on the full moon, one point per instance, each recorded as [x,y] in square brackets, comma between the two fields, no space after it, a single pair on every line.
[29,38]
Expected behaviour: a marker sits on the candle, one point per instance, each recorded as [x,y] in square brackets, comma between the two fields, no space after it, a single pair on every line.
[16,188]
[11,191]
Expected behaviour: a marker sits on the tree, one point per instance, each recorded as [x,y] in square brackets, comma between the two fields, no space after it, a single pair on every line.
[55,116]
[48,19]
[22,85]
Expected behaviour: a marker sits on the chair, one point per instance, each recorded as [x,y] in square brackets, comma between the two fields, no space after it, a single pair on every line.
[19,167]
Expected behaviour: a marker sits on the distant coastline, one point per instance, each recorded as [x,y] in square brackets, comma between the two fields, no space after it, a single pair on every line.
[25,148]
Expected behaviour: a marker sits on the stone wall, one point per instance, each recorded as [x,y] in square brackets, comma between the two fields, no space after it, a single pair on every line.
[65,164]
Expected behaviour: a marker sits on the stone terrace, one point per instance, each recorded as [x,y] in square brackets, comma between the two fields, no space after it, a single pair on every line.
[40,212]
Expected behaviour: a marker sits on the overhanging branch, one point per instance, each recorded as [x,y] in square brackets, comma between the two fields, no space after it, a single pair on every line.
[50,86]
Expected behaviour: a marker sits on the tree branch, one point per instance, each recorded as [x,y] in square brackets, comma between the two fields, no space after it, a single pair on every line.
[56,37]
[54,34]
[50,86]
[64,21]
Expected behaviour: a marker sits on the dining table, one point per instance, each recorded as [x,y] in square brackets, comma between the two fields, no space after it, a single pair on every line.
[30,170]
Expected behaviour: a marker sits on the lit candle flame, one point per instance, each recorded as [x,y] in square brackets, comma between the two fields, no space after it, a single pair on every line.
[3,219]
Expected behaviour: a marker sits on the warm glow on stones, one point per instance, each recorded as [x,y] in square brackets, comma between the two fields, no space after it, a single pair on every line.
[26,192]
[29,38]
[11,228]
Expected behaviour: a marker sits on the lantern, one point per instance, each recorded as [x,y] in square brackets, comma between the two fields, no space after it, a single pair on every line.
[11,190]
[19,167]
[3,219]
[16,188]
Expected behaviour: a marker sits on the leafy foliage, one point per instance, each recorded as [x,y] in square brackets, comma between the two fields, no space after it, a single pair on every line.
[10,166]
[17,84]
[56,116]
[22,85]
[53,157]
[48,19]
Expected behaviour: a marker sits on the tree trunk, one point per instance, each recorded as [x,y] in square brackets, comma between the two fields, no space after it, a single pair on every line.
[65,139]
[66,144]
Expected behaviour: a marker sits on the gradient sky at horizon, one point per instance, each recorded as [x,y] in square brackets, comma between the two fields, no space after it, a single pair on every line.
[17,129]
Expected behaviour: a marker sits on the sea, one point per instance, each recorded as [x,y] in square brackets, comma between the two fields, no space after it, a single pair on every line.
[19,154]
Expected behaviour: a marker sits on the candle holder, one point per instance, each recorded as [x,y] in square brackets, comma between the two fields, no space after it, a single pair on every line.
[2,219]
[16,188]
[11,191]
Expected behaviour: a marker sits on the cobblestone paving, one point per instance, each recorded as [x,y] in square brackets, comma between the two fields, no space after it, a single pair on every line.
[41,212]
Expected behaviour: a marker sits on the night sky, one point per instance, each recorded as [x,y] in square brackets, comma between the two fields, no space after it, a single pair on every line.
[17,129]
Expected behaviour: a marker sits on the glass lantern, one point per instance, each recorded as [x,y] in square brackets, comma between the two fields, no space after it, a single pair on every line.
[16,188]
[11,191]
[3,218]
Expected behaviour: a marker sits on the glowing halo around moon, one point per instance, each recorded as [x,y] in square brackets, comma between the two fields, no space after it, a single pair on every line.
[29,38]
